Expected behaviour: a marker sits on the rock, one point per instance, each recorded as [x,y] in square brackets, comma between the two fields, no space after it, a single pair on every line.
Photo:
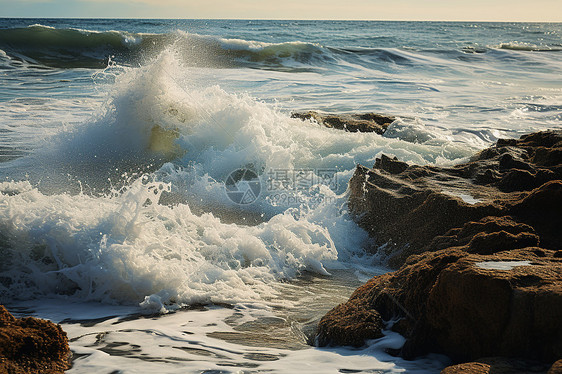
[479,256]
[474,312]
[556,368]
[497,365]
[391,165]
[407,207]
[366,122]
[488,235]
[30,345]
[462,305]
[349,324]
[389,295]
[468,368]
[405,212]
[541,209]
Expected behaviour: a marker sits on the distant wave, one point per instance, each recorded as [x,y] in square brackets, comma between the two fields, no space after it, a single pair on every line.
[513,46]
[518,46]
[76,48]
[380,54]
[66,48]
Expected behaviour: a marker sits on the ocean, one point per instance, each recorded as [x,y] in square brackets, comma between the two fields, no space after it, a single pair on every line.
[158,200]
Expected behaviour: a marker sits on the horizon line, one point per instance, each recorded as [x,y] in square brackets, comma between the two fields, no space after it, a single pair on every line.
[280,19]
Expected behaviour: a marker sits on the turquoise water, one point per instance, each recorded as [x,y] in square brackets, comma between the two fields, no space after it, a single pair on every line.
[147,166]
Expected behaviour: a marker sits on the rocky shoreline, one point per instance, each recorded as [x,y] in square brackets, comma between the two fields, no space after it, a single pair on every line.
[478,252]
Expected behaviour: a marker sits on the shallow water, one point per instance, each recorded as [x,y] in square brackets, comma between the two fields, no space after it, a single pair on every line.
[148,166]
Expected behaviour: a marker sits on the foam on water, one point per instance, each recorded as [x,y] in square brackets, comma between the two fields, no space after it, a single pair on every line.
[150,170]
[523,46]
[140,237]
[190,342]
[129,248]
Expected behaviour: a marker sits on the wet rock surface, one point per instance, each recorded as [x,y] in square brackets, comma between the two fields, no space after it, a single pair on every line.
[350,324]
[408,206]
[497,365]
[365,122]
[30,345]
[479,255]
[466,306]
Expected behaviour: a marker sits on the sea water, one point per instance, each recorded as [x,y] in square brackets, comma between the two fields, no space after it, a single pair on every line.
[158,200]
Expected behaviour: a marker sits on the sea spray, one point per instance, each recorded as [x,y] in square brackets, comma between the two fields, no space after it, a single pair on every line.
[104,213]
[128,247]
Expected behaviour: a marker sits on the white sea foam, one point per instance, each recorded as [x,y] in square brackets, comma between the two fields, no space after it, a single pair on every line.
[190,342]
[469,199]
[38,25]
[123,249]
[523,46]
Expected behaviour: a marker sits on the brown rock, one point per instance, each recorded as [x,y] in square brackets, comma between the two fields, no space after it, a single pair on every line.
[466,234]
[489,243]
[541,209]
[556,368]
[30,345]
[468,368]
[399,294]
[407,207]
[455,231]
[474,312]
[450,302]
[365,122]
[497,365]
[349,324]
[391,165]
[406,210]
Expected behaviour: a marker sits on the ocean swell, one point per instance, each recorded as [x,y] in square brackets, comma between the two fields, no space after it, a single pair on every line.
[76,48]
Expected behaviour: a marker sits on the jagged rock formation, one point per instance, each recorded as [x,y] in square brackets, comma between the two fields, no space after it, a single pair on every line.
[479,250]
[407,206]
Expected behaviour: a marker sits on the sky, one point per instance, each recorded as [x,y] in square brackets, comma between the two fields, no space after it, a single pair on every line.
[415,10]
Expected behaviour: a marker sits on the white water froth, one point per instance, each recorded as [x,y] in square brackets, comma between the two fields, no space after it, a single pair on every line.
[190,342]
[163,239]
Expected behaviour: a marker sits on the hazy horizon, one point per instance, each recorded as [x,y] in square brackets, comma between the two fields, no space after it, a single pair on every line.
[361,10]
[277,19]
